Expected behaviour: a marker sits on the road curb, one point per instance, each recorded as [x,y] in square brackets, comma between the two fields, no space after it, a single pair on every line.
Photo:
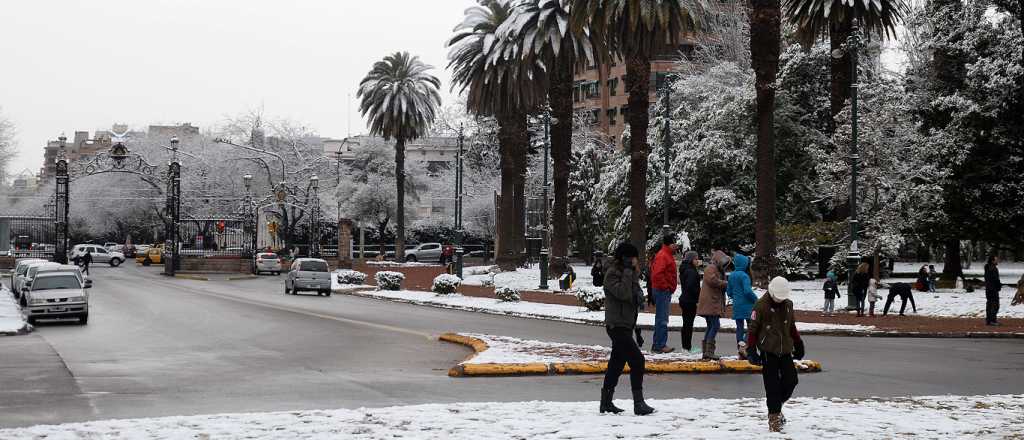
[825,332]
[24,330]
[191,277]
[242,277]
[567,368]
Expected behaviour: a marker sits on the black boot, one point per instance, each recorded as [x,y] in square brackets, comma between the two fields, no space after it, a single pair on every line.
[606,401]
[640,407]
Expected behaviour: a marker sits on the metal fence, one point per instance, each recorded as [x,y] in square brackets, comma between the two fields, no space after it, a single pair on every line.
[27,236]
[214,236]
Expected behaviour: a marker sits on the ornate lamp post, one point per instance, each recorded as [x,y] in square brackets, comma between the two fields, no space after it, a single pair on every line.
[544,210]
[61,204]
[250,218]
[459,232]
[314,217]
[173,211]
[853,256]
[666,143]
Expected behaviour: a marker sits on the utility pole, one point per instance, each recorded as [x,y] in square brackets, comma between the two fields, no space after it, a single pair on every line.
[459,233]
[544,210]
[853,257]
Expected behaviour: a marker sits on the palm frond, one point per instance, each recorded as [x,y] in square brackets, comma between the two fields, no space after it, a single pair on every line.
[399,97]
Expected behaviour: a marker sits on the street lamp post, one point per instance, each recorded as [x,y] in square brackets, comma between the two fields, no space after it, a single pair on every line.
[853,256]
[314,217]
[459,233]
[666,143]
[544,211]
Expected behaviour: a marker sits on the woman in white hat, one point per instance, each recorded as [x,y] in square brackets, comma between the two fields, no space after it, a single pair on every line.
[773,333]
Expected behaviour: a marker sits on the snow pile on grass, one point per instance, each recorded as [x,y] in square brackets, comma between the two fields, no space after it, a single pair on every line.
[808,295]
[508,350]
[387,280]
[930,417]
[347,276]
[589,297]
[445,284]
[507,294]
[522,279]
[386,263]
[11,320]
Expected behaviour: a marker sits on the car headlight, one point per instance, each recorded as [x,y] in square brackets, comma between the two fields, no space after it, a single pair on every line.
[37,301]
[76,299]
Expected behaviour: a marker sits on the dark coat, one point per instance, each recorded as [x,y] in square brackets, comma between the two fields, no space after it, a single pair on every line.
[992,282]
[597,273]
[831,289]
[689,282]
[623,296]
[860,282]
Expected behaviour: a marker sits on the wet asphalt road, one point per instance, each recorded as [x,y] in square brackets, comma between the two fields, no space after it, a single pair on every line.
[156,346]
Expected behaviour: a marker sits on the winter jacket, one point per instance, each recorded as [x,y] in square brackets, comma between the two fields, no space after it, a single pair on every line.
[739,290]
[712,290]
[773,326]
[860,283]
[922,280]
[873,291]
[689,282]
[831,289]
[1018,299]
[597,273]
[663,270]
[992,282]
[623,296]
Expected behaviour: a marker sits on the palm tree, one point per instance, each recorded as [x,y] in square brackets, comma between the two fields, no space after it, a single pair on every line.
[636,30]
[765,40]
[835,18]
[542,28]
[489,70]
[400,100]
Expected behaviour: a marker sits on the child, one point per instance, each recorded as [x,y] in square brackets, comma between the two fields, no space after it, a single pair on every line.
[873,295]
[773,333]
[831,293]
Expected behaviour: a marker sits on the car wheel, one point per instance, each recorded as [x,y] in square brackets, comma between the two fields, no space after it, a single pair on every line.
[286,291]
[84,319]
[31,320]
[115,262]
[410,259]
[146,261]
[327,293]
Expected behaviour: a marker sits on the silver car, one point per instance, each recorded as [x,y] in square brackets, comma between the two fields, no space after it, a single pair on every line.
[99,254]
[56,294]
[311,274]
[268,262]
[19,271]
[424,252]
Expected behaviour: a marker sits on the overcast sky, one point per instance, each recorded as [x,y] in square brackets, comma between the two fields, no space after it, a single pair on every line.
[82,65]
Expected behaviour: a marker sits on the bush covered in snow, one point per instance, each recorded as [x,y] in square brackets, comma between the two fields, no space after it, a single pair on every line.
[387,280]
[351,277]
[590,297]
[446,284]
[507,294]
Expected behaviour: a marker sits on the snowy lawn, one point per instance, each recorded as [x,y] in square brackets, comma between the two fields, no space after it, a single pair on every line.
[11,320]
[1009,272]
[523,279]
[508,350]
[808,295]
[933,417]
[560,312]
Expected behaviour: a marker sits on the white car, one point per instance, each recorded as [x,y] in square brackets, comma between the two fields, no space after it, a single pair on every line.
[308,274]
[424,252]
[19,272]
[268,262]
[30,271]
[99,254]
[56,294]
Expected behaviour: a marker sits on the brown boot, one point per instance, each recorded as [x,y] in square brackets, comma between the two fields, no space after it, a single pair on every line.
[775,422]
[709,351]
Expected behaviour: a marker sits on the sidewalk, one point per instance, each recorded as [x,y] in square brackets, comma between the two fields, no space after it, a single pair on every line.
[12,322]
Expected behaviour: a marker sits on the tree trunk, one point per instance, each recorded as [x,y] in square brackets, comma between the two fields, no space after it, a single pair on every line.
[512,144]
[765,37]
[840,68]
[638,77]
[400,209]
[953,267]
[560,97]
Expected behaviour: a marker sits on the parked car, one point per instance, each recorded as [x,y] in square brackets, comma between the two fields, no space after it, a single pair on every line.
[109,245]
[311,274]
[152,255]
[99,253]
[30,271]
[20,267]
[37,268]
[424,252]
[268,262]
[57,294]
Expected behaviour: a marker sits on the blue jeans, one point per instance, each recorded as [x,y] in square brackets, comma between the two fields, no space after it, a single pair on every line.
[714,322]
[741,330]
[662,305]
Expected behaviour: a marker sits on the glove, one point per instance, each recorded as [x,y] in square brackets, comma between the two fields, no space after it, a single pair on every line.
[650,298]
[639,338]
[798,350]
[752,356]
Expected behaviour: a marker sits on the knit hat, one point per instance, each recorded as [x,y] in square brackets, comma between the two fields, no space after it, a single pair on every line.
[831,275]
[689,256]
[779,289]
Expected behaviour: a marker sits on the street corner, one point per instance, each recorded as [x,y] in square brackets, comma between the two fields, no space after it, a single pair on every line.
[507,356]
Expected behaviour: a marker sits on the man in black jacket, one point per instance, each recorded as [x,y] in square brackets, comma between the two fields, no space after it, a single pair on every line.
[689,283]
[992,287]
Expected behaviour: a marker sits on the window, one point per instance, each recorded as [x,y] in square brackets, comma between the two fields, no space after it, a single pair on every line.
[313,266]
[612,116]
[613,85]
[430,247]
[595,115]
[100,250]
[56,282]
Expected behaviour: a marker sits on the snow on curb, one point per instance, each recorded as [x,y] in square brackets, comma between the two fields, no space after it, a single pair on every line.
[578,315]
[12,322]
[505,356]
[928,417]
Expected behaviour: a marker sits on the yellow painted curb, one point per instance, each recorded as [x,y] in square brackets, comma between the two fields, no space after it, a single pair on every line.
[675,367]
[191,277]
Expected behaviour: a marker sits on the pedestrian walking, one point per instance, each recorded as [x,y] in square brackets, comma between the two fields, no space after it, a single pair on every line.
[689,285]
[905,293]
[992,287]
[1018,299]
[933,278]
[711,305]
[86,261]
[623,300]
[774,343]
[874,296]
[597,272]
[831,289]
[860,286]
[743,299]
[664,281]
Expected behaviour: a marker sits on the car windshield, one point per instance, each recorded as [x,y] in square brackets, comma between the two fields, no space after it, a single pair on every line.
[57,282]
[313,266]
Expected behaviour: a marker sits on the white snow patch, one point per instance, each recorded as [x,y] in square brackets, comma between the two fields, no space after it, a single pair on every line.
[11,319]
[508,350]
[930,417]
[956,303]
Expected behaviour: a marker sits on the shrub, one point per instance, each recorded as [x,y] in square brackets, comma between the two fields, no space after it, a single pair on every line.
[507,294]
[446,284]
[590,297]
[387,280]
[351,277]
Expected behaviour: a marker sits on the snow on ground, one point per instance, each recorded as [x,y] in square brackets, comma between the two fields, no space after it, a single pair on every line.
[11,319]
[932,417]
[1009,273]
[523,278]
[560,312]
[808,295]
[508,350]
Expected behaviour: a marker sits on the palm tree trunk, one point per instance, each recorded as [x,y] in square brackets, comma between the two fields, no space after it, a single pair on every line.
[840,68]
[765,37]
[512,146]
[560,97]
[400,209]
[638,77]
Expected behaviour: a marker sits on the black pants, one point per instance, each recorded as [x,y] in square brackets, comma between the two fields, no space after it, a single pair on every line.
[779,380]
[689,313]
[903,303]
[85,268]
[624,350]
[991,306]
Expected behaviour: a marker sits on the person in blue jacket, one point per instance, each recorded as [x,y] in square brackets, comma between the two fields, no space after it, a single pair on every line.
[743,299]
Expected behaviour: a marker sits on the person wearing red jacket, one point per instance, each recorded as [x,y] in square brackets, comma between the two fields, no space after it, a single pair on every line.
[663,283]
